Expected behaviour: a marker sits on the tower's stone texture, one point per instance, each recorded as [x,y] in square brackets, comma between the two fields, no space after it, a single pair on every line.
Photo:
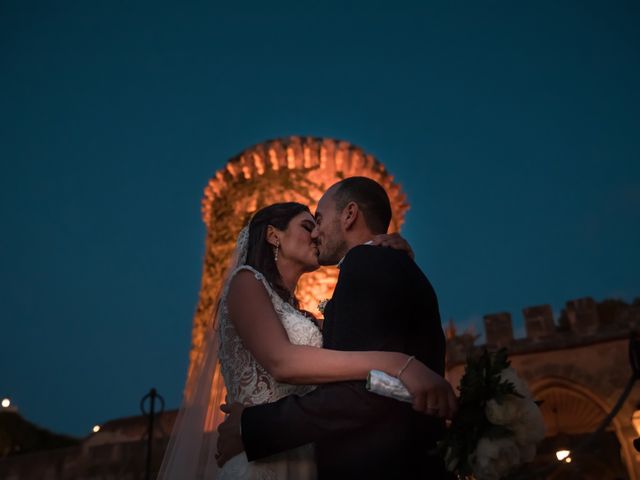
[583,315]
[290,169]
[499,329]
[539,322]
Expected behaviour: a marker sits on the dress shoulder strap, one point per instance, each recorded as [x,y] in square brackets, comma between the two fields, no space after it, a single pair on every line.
[259,276]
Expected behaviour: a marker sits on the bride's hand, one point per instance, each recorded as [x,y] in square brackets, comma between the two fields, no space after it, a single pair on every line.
[393,240]
[229,436]
[432,394]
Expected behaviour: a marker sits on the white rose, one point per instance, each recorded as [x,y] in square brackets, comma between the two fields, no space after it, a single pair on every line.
[521,415]
[510,375]
[504,413]
[494,458]
[530,426]
[485,472]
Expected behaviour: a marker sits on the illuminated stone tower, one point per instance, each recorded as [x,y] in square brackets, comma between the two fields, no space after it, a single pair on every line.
[289,169]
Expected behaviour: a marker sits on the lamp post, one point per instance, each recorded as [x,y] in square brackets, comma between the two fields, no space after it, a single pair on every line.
[563,455]
[562,452]
[151,396]
[6,405]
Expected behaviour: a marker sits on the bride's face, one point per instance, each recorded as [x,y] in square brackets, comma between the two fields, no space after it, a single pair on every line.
[296,244]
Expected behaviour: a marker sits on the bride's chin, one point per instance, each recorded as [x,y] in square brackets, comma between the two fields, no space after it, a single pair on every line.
[312,267]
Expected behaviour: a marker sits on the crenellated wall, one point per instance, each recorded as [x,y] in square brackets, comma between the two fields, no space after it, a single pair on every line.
[577,370]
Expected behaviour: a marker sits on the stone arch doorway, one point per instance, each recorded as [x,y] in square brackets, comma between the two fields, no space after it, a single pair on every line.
[571,412]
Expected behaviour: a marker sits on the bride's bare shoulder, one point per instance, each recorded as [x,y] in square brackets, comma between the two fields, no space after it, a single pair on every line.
[249,303]
[246,285]
[246,276]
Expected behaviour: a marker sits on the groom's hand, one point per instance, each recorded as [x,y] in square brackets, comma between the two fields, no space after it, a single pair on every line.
[229,435]
[393,240]
[432,394]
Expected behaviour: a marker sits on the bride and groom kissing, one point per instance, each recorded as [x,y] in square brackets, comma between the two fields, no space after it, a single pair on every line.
[297,403]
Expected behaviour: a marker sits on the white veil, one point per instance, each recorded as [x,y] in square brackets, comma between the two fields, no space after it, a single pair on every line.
[190,454]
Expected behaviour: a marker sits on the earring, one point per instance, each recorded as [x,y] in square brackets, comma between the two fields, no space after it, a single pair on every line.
[275,255]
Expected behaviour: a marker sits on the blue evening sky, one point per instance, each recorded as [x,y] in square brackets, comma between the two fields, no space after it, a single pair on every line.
[513,127]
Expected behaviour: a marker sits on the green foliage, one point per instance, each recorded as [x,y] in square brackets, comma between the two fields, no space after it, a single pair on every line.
[481,382]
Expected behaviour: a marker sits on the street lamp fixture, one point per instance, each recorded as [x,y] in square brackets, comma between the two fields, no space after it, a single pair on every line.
[6,403]
[563,455]
[96,428]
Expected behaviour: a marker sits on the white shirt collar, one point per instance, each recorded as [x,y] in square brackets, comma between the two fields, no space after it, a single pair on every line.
[342,259]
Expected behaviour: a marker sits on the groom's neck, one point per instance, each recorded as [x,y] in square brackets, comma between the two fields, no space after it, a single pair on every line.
[358,237]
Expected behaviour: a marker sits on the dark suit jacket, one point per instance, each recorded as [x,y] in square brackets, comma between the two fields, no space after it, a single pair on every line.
[382,301]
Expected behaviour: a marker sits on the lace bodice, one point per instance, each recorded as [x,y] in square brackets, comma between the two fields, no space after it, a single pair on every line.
[246,380]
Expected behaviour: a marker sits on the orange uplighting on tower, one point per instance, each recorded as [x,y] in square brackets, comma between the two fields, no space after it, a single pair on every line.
[293,169]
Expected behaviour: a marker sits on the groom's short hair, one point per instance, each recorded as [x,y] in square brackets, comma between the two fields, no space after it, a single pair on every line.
[371,198]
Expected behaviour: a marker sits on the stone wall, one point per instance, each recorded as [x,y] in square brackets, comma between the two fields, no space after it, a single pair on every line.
[578,372]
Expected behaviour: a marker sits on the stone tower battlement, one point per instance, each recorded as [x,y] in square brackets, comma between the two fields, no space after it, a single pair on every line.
[582,321]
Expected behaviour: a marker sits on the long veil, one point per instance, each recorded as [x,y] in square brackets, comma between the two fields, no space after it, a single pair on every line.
[192,446]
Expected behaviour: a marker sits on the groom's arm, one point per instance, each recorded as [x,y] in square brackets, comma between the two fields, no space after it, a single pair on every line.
[330,410]
[361,305]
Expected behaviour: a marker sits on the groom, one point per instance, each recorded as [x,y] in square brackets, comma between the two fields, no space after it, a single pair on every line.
[382,301]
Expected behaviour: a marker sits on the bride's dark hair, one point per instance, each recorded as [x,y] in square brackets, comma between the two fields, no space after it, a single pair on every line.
[260,252]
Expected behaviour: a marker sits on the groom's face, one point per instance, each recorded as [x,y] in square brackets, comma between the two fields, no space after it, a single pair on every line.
[328,233]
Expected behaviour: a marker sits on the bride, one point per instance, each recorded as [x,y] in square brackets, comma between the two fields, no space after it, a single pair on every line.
[269,348]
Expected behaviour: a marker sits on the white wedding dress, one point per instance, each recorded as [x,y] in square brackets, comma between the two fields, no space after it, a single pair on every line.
[247,382]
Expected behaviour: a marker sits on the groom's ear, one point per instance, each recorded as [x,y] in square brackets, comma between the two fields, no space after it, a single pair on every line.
[350,215]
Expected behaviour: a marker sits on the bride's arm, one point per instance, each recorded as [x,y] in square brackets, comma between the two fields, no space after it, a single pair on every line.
[263,334]
[393,240]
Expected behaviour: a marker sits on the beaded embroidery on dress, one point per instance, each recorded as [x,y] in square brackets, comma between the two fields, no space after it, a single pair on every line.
[249,383]
[246,380]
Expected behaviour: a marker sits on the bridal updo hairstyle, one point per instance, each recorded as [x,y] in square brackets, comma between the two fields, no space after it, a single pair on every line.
[260,252]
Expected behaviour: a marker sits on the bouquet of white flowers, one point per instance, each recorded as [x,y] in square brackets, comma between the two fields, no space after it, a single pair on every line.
[498,423]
